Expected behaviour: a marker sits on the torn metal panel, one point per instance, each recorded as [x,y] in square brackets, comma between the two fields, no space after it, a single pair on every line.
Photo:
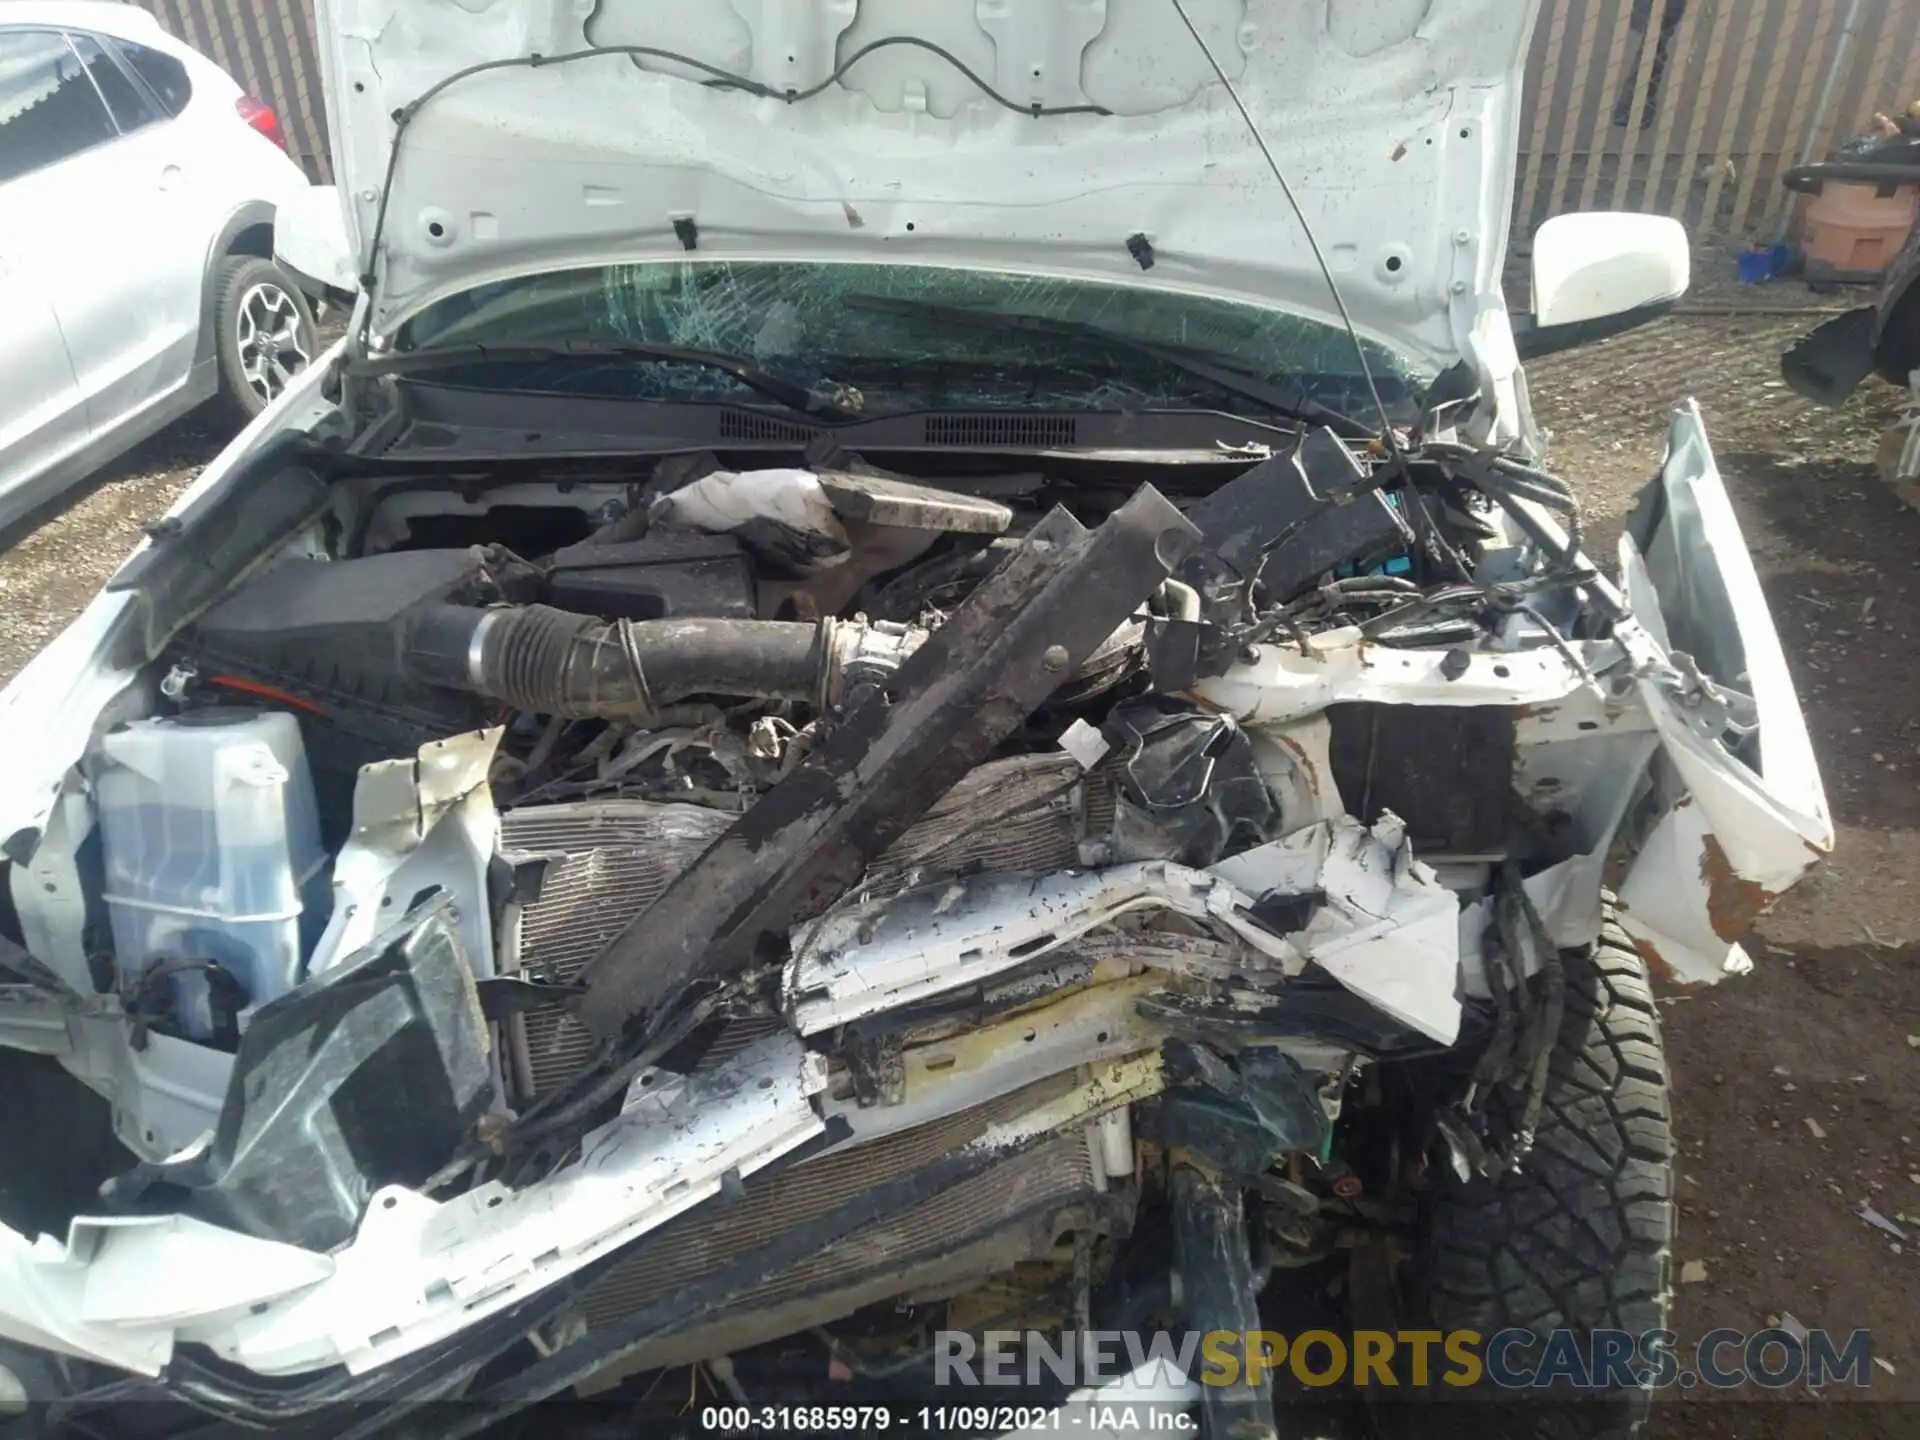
[1389,930]
[1289,866]
[1684,904]
[863,959]
[120,1288]
[981,1063]
[1716,612]
[1716,861]
[1750,816]
[1280,684]
[418,824]
[892,754]
[418,1271]
[34,1019]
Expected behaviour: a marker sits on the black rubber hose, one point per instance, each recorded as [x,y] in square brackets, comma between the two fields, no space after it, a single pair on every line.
[555,662]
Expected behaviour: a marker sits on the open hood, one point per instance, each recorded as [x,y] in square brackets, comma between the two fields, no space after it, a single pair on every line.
[1086,139]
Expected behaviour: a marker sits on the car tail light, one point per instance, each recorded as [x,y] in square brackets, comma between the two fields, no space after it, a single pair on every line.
[260,116]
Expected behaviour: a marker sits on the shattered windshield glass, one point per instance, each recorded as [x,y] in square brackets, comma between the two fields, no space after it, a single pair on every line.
[816,325]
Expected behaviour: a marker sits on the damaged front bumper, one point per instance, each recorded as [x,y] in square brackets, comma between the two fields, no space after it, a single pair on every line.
[1676,742]
[126,1290]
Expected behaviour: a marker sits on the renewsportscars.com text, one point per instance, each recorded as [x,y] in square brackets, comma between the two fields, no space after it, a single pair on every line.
[1559,1360]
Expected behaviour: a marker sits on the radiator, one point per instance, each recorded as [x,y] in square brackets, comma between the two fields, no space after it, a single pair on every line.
[608,860]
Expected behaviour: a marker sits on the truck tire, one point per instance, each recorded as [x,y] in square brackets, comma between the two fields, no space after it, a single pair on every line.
[1580,1236]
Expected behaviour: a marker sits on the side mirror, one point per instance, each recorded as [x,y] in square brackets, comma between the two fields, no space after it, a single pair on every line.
[1601,274]
[310,240]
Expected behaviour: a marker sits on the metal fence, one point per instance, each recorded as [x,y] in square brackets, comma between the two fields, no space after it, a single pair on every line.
[1696,108]
[1690,107]
[269,47]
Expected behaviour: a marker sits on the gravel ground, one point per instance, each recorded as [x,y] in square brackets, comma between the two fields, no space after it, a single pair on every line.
[51,565]
[1821,1031]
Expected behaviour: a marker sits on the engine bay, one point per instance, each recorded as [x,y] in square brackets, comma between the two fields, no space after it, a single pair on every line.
[920,858]
[778,587]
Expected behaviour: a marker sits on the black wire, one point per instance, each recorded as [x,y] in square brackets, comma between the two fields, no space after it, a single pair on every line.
[1545,1032]
[1037,111]
[1435,539]
[404,117]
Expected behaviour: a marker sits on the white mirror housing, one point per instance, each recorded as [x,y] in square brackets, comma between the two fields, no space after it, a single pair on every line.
[1598,265]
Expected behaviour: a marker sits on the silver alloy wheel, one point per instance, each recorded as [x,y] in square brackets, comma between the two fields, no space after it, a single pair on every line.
[272,348]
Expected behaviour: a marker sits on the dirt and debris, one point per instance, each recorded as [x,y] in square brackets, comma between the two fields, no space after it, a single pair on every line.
[1880,1222]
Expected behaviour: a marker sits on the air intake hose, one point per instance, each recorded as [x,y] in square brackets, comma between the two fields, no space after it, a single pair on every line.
[555,662]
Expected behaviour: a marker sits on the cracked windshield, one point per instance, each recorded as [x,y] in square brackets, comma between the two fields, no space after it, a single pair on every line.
[888,338]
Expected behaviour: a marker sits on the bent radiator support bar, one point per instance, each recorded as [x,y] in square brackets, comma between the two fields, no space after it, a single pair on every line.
[890,755]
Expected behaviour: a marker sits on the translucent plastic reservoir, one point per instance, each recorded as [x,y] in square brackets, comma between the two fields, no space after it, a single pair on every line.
[211,843]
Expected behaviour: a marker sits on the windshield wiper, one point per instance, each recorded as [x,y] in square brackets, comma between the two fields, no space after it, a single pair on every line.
[785,392]
[1285,399]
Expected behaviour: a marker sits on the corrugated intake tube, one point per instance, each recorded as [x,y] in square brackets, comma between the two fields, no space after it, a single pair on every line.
[555,662]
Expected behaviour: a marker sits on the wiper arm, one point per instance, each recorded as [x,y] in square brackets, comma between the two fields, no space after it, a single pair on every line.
[785,392]
[1286,399]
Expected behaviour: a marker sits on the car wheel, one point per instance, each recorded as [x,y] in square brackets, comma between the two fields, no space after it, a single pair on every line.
[1579,1237]
[264,332]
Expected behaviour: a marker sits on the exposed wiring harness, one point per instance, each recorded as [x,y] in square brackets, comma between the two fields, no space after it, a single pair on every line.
[1526,1028]
[1397,604]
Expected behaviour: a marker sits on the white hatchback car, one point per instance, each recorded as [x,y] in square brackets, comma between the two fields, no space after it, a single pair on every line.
[138,188]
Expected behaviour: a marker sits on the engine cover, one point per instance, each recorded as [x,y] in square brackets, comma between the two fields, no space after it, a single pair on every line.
[667,574]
